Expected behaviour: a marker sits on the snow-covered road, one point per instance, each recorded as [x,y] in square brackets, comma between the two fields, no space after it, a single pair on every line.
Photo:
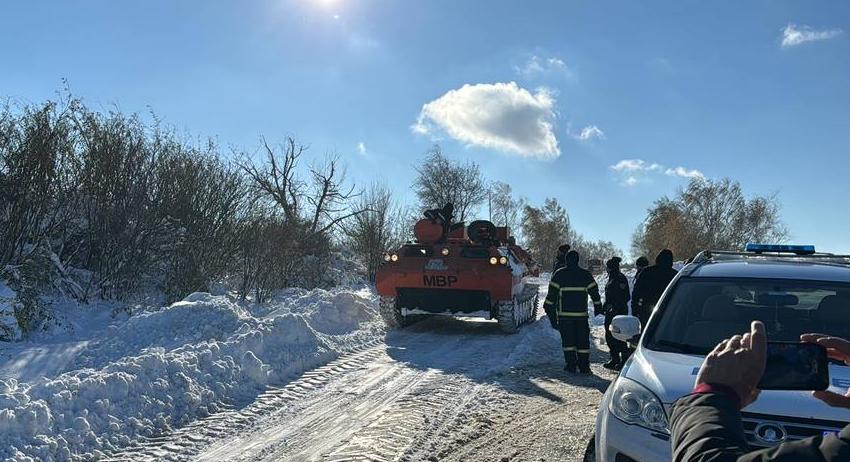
[443,389]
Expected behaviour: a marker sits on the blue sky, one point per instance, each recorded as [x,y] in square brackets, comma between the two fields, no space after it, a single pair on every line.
[551,97]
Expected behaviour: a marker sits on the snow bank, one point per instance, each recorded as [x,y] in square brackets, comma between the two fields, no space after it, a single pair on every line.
[165,368]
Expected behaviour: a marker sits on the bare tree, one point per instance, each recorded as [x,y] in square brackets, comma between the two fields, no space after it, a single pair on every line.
[505,210]
[545,229]
[708,214]
[294,219]
[381,228]
[441,180]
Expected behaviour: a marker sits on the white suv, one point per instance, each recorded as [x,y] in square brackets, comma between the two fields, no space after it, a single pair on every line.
[711,299]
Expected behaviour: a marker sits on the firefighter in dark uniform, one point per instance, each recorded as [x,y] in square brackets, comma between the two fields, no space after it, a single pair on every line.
[568,291]
[616,303]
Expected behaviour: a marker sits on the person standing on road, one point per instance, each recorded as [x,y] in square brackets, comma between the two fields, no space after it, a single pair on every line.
[651,284]
[706,425]
[616,303]
[568,291]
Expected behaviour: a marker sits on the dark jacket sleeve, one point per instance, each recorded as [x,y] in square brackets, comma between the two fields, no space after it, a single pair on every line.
[707,428]
[637,291]
[554,294]
[593,291]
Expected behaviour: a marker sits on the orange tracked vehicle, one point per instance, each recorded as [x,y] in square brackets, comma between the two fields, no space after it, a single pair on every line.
[456,270]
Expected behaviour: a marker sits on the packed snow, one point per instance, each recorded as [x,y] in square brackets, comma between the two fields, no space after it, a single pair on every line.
[127,377]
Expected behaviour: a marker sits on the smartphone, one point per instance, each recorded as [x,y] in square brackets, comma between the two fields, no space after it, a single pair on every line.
[795,366]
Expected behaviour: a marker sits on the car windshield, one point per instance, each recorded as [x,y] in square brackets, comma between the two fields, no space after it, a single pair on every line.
[702,312]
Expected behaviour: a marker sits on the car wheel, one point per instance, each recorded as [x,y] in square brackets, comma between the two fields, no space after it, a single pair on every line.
[590,452]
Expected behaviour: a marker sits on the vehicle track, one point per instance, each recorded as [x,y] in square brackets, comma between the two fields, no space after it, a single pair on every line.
[369,405]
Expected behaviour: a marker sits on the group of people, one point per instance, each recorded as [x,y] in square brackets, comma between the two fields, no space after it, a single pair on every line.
[566,302]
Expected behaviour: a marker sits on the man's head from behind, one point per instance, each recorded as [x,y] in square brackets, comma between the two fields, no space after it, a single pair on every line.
[665,258]
[613,264]
[572,258]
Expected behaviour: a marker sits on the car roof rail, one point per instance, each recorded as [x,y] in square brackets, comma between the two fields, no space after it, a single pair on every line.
[707,256]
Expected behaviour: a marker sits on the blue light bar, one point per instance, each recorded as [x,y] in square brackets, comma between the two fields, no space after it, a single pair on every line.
[780,248]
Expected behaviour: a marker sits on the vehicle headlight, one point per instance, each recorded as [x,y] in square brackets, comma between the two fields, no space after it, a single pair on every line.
[634,404]
[503,260]
[494,260]
[445,252]
[387,257]
[394,257]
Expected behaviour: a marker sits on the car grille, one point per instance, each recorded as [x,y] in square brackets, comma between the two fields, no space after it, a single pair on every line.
[772,428]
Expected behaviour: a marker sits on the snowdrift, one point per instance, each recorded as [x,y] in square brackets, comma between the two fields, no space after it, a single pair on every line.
[162,369]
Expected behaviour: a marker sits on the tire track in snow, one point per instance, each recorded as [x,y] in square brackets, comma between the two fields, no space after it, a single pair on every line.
[373,405]
[185,442]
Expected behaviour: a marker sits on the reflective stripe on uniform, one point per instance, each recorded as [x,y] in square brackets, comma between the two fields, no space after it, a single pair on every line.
[573,289]
[597,302]
[573,314]
[552,284]
[583,351]
[569,348]
[591,285]
[548,302]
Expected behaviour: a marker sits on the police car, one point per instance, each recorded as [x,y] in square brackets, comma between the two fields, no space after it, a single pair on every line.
[792,289]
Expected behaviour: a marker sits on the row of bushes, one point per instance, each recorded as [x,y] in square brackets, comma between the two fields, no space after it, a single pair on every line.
[108,204]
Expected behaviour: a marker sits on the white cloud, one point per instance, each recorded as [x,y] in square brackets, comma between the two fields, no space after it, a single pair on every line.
[588,133]
[634,171]
[501,116]
[794,35]
[537,66]
[634,165]
[361,148]
[684,172]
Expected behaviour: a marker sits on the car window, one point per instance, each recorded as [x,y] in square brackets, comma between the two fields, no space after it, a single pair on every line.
[702,312]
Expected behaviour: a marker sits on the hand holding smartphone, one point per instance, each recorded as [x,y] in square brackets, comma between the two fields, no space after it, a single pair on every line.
[795,366]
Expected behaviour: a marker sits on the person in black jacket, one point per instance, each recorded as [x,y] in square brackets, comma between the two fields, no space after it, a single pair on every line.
[616,303]
[568,291]
[706,425]
[651,284]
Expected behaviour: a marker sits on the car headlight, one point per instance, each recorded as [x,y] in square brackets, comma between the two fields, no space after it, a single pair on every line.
[445,252]
[394,257]
[634,404]
[387,257]
[503,260]
[494,260]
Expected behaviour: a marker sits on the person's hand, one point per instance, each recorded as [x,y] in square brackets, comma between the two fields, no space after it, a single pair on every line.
[737,363]
[838,349]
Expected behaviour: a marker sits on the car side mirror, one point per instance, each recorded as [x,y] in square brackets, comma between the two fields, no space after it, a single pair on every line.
[625,328]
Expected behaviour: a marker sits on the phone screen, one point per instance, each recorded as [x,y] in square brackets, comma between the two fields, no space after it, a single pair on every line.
[795,366]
